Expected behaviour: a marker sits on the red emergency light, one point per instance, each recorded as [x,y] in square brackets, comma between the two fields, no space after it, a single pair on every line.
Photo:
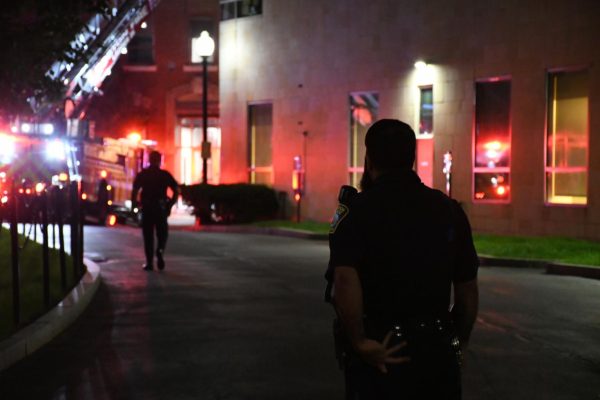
[501,190]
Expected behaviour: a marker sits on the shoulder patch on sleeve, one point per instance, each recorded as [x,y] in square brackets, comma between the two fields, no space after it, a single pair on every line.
[340,214]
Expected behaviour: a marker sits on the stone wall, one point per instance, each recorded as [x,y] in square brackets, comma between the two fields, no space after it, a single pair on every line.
[307,56]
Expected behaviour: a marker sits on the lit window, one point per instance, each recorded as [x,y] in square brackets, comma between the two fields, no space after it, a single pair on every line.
[491,181]
[188,140]
[260,126]
[364,107]
[426,111]
[425,148]
[567,138]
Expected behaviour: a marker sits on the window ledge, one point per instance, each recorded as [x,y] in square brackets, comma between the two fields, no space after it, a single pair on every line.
[198,68]
[140,68]
[424,136]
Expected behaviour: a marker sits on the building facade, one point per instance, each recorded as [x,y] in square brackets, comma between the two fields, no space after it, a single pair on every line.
[155,89]
[509,90]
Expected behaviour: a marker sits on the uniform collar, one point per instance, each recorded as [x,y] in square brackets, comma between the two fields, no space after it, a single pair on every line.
[403,177]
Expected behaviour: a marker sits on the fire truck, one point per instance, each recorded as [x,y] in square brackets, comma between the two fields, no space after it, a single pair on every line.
[105,168]
[36,154]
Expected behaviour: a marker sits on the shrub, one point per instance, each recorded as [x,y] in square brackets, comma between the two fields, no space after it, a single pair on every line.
[231,204]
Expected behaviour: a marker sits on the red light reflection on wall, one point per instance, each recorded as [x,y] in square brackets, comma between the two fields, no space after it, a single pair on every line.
[362,115]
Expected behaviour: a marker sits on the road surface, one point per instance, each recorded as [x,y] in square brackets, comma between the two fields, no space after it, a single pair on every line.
[238,316]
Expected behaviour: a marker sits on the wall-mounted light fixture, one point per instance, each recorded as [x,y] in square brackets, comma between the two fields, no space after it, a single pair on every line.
[420,65]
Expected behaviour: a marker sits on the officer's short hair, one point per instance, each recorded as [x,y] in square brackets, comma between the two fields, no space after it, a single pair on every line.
[391,144]
[155,157]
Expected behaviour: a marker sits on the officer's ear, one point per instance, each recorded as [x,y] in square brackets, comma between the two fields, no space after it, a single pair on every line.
[367,163]
[370,169]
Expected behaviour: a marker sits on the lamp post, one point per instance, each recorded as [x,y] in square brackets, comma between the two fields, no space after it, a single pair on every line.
[203,47]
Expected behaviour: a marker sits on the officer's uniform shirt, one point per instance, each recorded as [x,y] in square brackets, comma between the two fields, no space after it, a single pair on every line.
[154,183]
[408,243]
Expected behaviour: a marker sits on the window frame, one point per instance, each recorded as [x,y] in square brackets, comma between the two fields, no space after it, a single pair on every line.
[147,32]
[236,10]
[481,170]
[586,169]
[250,170]
[418,133]
[357,169]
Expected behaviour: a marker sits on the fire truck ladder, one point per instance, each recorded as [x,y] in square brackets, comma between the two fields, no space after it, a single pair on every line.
[102,39]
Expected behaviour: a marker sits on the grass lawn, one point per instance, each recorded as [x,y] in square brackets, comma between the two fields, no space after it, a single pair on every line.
[315,227]
[565,250]
[32,292]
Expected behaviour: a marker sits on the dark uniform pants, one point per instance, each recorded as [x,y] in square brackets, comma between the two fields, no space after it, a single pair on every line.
[432,373]
[154,217]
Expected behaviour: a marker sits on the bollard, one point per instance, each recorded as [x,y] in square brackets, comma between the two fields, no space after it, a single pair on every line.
[14,256]
[81,225]
[74,203]
[43,198]
[58,204]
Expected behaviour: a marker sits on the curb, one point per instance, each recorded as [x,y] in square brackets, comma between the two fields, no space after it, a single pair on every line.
[490,261]
[573,270]
[41,331]
[287,232]
[552,268]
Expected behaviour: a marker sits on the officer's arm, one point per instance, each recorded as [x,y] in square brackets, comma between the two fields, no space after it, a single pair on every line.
[175,188]
[134,191]
[349,303]
[466,303]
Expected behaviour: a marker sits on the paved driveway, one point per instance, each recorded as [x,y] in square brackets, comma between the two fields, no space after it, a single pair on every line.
[242,317]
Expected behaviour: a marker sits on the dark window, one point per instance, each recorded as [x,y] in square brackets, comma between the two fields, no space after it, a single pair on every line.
[248,8]
[426,111]
[140,50]
[231,9]
[228,10]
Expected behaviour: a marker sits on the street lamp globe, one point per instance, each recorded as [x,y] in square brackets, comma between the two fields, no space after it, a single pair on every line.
[202,46]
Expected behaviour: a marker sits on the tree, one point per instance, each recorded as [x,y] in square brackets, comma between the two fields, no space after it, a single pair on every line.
[33,35]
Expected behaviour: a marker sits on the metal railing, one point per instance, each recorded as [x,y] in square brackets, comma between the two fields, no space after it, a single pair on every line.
[27,212]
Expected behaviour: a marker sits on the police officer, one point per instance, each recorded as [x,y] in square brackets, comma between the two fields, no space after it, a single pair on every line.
[396,251]
[156,207]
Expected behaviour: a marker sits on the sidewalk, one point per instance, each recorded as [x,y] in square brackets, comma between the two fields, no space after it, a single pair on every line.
[41,331]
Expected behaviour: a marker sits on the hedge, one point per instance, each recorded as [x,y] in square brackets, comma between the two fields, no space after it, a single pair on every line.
[231,204]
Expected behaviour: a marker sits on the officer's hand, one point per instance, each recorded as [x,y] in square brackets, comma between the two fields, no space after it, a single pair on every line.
[379,354]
